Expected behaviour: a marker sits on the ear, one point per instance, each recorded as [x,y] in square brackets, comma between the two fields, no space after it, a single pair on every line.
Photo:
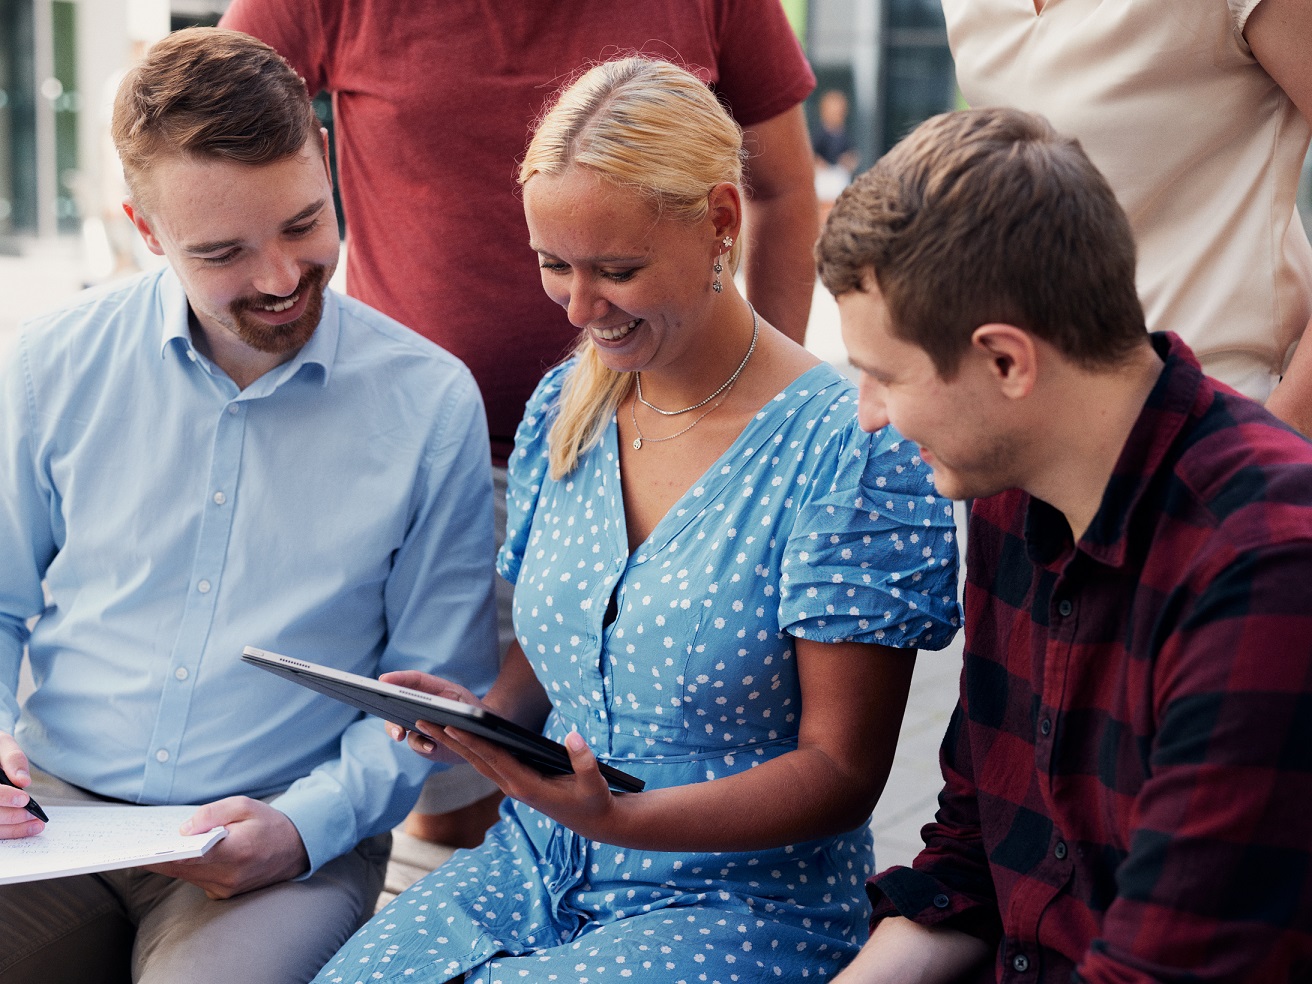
[725,210]
[1011,355]
[327,165]
[139,220]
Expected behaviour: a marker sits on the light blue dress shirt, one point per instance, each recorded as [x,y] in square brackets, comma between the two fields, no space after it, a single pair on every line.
[338,509]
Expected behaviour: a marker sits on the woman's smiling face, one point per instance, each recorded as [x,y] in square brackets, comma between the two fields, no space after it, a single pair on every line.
[638,284]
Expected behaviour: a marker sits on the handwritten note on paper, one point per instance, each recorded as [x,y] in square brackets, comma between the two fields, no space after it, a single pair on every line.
[82,839]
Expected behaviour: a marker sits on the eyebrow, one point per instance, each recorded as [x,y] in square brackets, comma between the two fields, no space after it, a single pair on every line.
[222,244]
[879,375]
[627,258]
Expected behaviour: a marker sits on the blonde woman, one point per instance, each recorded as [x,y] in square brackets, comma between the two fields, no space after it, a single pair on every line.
[720,586]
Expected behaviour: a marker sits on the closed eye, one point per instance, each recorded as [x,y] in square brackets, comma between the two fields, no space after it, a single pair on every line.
[303,230]
[221,258]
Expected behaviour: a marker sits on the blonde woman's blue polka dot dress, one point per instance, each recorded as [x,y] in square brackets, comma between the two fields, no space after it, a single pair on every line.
[806,527]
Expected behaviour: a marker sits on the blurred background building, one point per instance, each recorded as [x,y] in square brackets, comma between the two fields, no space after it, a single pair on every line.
[60,61]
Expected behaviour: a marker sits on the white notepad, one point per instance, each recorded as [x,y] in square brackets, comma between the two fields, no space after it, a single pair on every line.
[81,839]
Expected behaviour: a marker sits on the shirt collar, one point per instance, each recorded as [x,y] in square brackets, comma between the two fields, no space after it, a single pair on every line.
[1180,394]
[319,351]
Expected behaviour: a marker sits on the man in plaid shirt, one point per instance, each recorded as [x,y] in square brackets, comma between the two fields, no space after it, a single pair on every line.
[1128,772]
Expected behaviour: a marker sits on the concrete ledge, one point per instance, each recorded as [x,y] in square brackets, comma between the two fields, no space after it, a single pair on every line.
[411,860]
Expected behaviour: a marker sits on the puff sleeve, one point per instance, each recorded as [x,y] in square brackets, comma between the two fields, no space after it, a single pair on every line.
[527,468]
[872,556]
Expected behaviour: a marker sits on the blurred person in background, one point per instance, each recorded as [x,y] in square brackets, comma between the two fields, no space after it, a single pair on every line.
[1197,112]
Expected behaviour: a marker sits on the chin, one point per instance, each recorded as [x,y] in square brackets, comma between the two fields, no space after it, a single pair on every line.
[952,486]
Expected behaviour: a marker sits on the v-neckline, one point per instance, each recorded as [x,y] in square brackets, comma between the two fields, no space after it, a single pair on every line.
[652,544]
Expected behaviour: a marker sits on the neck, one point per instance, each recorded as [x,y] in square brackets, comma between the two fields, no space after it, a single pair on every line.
[703,371]
[1091,415]
[242,363]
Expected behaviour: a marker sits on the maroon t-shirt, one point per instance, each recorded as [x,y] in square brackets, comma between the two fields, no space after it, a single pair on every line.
[433,104]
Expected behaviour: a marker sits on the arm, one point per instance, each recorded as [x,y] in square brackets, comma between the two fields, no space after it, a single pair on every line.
[1280,34]
[853,696]
[1216,884]
[781,221]
[29,547]
[903,952]
[27,505]
[1291,400]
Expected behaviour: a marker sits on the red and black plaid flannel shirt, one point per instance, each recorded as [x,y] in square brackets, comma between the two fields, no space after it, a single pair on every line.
[1128,773]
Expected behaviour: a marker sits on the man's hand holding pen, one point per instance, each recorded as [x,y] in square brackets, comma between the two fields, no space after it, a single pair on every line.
[20,815]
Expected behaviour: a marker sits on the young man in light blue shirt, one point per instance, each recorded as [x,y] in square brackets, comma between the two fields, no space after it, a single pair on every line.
[218,454]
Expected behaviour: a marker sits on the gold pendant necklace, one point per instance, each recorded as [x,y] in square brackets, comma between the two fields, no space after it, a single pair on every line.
[756,331]
[722,392]
[638,441]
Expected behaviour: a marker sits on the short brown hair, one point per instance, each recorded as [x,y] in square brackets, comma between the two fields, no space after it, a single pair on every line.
[989,215]
[212,93]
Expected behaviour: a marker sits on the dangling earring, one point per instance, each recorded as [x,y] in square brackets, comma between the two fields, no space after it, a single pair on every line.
[717,286]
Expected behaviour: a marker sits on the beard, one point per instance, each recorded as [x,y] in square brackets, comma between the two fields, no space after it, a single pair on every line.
[276,339]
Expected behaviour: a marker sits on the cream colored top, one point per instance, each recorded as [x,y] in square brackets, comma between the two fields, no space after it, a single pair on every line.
[1201,146]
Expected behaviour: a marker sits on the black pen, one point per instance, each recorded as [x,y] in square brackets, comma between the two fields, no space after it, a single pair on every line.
[32,807]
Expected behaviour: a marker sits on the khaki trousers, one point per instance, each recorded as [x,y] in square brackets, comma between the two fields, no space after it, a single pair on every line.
[134,925]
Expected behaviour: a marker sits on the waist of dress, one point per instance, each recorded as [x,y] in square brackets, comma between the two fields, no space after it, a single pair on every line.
[750,752]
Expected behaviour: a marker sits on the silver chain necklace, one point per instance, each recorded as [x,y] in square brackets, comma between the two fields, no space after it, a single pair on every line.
[638,441]
[756,331]
[722,393]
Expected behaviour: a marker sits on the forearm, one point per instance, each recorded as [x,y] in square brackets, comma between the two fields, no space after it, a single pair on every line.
[779,269]
[1292,399]
[781,222]
[809,796]
[11,656]
[517,694]
[903,952]
[368,789]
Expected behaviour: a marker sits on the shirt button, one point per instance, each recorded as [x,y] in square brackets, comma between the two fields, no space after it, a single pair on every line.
[162,755]
[232,408]
[941,901]
[1045,726]
[203,587]
[220,498]
[1020,963]
[1059,852]
[181,673]
[1064,608]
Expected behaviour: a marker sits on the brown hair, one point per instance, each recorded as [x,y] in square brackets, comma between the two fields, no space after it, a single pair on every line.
[989,215]
[213,93]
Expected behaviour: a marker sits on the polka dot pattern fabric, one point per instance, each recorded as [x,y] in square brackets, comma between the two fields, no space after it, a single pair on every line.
[805,528]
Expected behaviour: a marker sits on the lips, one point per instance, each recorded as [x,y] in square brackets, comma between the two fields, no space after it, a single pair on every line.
[280,312]
[616,332]
[277,308]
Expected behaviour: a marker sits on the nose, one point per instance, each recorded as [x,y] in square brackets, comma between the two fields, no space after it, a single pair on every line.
[584,305]
[871,408]
[279,273]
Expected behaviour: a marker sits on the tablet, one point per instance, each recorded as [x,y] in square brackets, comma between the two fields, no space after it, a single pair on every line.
[405,707]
